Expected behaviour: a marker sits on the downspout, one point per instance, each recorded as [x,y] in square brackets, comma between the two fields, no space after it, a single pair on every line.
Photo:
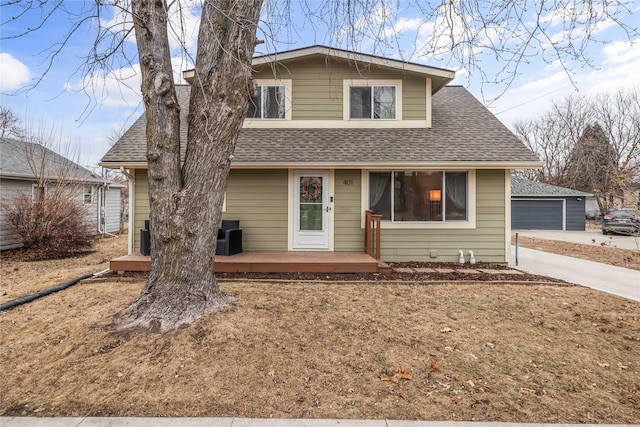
[132,188]
[102,209]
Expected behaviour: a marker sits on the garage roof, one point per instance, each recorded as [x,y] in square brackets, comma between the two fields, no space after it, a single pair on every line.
[526,187]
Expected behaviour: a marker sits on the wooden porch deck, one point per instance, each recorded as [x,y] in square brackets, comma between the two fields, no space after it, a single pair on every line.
[274,262]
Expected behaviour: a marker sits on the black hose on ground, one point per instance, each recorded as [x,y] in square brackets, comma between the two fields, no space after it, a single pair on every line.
[43,293]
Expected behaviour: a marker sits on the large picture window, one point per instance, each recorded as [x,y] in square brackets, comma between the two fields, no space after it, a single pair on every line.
[372,102]
[268,104]
[433,196]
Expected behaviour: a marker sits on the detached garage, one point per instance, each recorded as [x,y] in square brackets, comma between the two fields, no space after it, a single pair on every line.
[538,206]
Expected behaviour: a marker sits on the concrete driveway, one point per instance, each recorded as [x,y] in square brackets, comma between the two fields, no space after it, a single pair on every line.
[619,281]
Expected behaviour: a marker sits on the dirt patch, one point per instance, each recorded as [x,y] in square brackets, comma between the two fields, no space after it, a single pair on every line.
[432,352]
[469,350]
[20,277]
[597,252]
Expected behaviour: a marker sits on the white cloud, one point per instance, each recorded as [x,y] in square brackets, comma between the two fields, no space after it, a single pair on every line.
[619,65]
[621,52]
[13,73]
[121,87]
[117,88]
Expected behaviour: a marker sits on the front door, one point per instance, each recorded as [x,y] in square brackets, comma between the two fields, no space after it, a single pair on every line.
[311,210]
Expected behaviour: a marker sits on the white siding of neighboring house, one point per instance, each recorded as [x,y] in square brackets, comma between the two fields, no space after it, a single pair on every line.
[112,210]
[92,208]
[9,239]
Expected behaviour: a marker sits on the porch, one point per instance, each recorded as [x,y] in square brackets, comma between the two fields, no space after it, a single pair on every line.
[274,262]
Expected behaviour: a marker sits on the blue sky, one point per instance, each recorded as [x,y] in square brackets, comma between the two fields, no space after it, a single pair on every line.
[85,121]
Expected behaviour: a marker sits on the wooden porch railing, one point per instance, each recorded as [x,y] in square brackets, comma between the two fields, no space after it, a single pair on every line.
[372,234]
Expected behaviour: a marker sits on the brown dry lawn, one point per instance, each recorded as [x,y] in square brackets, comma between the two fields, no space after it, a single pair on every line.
[499,352]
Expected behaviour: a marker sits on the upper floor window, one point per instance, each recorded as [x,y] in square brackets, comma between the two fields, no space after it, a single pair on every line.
[372,99]
[270,103]
[372,102]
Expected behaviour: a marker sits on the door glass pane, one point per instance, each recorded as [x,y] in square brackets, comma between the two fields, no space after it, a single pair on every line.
[311,206]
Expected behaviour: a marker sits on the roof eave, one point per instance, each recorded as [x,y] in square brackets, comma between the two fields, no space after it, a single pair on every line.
[386,165]
[351,165]
[442,73]
[123,164]
[550,195]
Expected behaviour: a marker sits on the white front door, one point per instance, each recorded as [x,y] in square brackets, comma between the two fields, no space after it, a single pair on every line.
[311,209]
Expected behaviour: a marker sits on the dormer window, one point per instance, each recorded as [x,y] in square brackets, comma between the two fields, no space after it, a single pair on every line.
[270,103]
[372,99]
[372,102]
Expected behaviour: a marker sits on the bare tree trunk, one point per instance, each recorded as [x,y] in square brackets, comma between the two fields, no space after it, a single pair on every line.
[186,201]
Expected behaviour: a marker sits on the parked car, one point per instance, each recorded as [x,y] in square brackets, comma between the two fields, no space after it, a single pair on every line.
[623,221]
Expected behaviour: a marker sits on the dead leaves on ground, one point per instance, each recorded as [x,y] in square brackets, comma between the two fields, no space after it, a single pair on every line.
[400,374]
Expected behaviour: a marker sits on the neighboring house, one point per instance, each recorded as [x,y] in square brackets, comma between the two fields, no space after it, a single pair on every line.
[334,133]
[538,206]
[24,166]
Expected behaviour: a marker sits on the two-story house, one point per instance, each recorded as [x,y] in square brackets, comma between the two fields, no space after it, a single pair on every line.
[334,133]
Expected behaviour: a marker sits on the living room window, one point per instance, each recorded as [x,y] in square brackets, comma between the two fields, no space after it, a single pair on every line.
[372,99]
[420,196]
[270,103]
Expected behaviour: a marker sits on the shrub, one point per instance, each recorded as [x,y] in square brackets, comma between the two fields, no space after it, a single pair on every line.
[56,226]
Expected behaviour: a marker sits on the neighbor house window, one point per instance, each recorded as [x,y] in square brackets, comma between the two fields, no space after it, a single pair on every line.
[372,102]
[38,193]
[270,103]
[433,196]
[88,194]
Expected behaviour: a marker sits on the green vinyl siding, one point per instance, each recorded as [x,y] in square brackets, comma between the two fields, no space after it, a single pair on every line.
[140,205]
[259,198]
[487,240]
[317,87]
[349,235]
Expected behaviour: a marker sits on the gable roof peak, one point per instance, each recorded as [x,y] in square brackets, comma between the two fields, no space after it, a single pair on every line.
[353,56]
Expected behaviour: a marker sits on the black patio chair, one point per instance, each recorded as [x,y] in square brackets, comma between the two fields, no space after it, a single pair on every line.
[229,238]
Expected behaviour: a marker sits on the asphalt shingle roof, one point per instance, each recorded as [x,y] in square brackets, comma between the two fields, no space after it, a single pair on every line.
[525,187]
[21,159]
[462,131]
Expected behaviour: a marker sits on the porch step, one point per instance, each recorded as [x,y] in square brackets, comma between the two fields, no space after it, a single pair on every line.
[384,268]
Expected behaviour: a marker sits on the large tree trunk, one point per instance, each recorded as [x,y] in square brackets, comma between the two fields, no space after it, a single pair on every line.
[186,200]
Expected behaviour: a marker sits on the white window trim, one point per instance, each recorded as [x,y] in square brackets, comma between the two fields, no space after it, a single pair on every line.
[470,223]
[287,96]
[346,98]
[84,193]
[34,187]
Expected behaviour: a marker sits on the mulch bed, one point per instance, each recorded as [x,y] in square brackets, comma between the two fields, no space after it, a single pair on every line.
[461,272]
